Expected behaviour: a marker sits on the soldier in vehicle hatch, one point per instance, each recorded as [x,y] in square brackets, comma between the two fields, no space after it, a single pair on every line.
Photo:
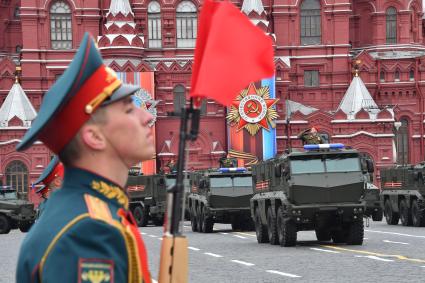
[228,162]
[310,136]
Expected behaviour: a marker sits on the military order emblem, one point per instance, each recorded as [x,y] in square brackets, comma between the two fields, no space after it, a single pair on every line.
[143,99]
[253,109]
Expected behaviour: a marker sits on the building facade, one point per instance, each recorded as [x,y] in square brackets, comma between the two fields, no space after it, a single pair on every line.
[320,46]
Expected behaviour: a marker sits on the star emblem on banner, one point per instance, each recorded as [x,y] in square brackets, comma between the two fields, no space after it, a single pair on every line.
[253,109]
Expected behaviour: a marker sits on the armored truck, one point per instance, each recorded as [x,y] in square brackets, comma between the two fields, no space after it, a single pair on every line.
[320,188]
[171,181]
[147,194]
[402,194]
[220,196]
[14,213]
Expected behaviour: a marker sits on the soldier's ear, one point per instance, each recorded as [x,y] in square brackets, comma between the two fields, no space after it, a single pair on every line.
[93,137]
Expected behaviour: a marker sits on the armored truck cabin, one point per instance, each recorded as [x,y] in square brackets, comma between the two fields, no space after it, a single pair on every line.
[220,196]
[403,194]
[318,189]
[147,194]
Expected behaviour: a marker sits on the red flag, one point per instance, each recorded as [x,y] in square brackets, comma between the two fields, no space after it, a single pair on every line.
[230,53]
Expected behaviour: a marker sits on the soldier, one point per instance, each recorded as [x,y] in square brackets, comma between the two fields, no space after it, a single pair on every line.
[87,233]
[172,166]
[228,162]
[52,178]
[310,136]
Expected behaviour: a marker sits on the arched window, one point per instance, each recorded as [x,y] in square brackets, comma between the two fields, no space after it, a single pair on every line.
[411,75]
[402,142]
[397,75]
[17,176]
[187,23]
[310,22]
[154,25]
[382,76]
[391,23]
[60,25]
[179,98]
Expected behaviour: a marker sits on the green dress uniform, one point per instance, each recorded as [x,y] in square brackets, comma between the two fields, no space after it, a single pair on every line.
[75,246]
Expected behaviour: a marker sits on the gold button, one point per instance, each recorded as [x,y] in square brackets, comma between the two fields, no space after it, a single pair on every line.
[89,109]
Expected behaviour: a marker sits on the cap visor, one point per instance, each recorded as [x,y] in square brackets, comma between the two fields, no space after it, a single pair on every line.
[123,91]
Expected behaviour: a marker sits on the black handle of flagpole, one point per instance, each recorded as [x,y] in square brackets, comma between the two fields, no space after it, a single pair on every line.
[177,191]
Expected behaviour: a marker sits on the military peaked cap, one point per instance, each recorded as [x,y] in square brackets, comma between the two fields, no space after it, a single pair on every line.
[54,169]
[84,86]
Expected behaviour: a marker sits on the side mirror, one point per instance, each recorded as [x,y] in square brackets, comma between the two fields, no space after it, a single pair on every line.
[161,182]
[278,170]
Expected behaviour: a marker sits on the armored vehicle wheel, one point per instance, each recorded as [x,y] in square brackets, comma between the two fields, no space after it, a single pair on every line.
[405,215]
[207,223]
[140,216]
[390,216]
[25,226]
[418,219]
[377,215]
[260,229]
[272,227]
[286,229]
[199,218]
[193,221]
[4,224]
[355,233]
[338,236]
[323,234]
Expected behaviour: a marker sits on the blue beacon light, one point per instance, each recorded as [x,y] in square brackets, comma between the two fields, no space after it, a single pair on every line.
[323,146]
[234,169]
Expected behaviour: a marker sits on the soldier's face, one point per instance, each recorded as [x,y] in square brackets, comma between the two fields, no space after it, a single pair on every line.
[128,132]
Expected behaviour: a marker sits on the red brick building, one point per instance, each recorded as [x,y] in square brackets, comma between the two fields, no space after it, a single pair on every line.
[319,45]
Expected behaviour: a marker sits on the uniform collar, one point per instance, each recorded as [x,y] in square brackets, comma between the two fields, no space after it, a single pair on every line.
[76,177]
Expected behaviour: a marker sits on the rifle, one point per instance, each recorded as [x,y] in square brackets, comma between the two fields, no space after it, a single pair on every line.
[174,252]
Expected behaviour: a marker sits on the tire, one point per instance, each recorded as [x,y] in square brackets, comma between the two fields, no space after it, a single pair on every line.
[272,227]
[193,220]
[199,218]
[286,229]
[260,229]
[355,233]
[140,216]
[207,223]
[418,219]
[377,215]
[405,214]
[390,216]
[323,235]
[25,226]
[5,224]
[339,236]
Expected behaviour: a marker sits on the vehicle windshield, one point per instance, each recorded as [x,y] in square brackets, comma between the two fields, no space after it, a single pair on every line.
[170,181]
[7,195]
[325,163]
[221,182]
[242,181]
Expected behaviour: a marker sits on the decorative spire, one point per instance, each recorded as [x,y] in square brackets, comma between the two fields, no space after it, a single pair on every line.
[120,6]
[252,5]
[17,105]
[356,98]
